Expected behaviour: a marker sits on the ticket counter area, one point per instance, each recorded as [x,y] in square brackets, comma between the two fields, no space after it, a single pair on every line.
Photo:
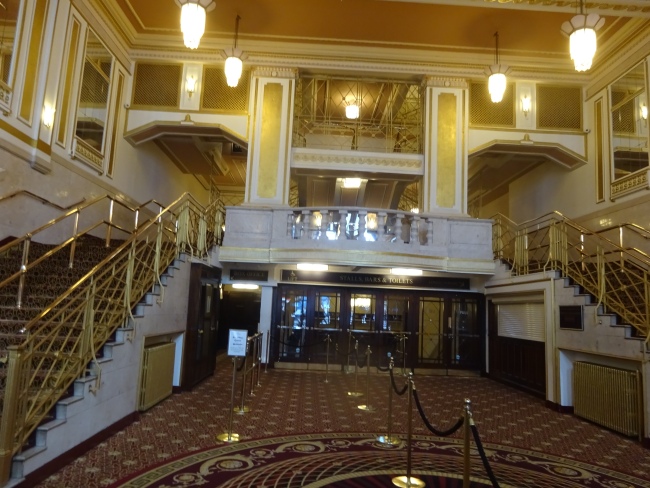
[418,328]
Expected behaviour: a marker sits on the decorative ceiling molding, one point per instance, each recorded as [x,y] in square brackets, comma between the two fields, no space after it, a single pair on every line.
[357,161]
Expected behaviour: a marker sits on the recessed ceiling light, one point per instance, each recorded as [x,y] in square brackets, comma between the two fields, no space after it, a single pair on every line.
[245,286]
[406,271]
[312,267]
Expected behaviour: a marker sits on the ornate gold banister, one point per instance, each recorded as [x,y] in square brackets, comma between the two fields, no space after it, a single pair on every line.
[62,339]
[617,276]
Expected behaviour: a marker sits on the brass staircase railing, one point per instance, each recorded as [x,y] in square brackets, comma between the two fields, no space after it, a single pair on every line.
[619,277]
[57,345]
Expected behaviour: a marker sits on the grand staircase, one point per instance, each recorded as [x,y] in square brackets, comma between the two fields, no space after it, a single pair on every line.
[60,303]
[613,265]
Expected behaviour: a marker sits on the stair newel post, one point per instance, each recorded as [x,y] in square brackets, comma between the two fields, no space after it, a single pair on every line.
[109,227]
[23,270]
[13,408]
[129,280]
[73,245]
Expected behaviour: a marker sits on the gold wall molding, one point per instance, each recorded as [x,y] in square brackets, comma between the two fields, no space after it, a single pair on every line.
[83,152]
[445,82]
[630,184]
[306,158]
[275,72]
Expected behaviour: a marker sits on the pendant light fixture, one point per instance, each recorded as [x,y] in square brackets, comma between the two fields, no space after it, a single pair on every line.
[581,31]
[497,75]
[193,20]
[234,65]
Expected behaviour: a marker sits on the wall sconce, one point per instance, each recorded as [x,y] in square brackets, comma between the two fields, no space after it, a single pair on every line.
[525,105]
[190,85]
[48,116]
[644,113]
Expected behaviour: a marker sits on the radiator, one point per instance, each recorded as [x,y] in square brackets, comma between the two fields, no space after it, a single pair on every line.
[610,397]
[157,374]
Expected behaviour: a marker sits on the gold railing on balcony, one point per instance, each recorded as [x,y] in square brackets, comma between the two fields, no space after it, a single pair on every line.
[616,274]
[57,345]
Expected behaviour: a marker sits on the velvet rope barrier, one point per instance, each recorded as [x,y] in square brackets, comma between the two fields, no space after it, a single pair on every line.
[441,433]
[392,381]
[481,451]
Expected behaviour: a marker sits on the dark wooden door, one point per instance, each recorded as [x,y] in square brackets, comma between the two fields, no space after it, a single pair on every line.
[202,324]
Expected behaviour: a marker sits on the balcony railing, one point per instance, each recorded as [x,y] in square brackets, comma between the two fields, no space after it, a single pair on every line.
[363,236]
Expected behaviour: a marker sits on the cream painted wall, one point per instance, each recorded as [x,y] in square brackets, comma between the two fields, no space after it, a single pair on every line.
[500,205]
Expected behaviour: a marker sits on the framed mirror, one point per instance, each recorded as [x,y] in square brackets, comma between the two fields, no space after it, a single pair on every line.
[92,110]
[9,10]
[629,123]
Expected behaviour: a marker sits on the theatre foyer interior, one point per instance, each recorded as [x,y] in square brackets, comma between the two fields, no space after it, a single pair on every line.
[381,242]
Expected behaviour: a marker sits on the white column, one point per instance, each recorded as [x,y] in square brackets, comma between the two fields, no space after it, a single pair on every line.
[266,306]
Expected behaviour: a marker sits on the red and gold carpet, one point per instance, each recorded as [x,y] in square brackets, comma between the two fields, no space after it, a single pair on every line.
[298,423]
[358,460]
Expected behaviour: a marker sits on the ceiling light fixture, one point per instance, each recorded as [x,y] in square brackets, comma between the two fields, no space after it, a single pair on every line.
[245,286]
[352,111]
[497,75]
[312,267]
[234,65]
[193,20]
[581,30]
[406,271]
[351,183]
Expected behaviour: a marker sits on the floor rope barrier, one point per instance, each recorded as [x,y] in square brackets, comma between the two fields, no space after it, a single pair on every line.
[441,433]
[481,451]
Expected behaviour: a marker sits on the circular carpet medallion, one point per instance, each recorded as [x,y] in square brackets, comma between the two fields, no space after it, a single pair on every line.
[359,461]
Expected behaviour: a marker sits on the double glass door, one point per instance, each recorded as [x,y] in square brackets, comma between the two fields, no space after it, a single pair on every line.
[416,328]
[449,334]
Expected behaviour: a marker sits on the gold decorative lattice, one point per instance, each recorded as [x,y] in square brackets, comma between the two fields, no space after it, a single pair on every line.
[410,198]
[623,119]
[217,95]
[559,107]
[483,111]
[94,88]
[389,120]
[157,85]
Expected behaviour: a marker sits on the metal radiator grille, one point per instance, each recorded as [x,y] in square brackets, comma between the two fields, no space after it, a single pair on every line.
[217,95]
[157,374]
[483,111]
[559,107]
[608,396]
[157,85]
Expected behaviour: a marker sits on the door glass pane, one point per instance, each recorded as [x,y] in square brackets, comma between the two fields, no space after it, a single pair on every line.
[465,336]
[430,345]
[362,311]
[395,309]
[291,332]
[327,310]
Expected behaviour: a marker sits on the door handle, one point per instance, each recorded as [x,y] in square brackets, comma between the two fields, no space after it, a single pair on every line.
[200,331]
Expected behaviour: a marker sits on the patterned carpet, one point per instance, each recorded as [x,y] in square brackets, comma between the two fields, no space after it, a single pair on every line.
[299,406]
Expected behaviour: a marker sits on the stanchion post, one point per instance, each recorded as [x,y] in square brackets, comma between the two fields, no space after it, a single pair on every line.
[355,393]
[254,365]
[404,354]
[243,409]
[409,481]
[229,436]
[260,336]
[268,350]
[327,356]
[466,431]
[367,406]
[347,371]
[388,438]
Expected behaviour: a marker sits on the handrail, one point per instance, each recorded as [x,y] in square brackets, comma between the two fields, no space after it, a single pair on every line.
[619,277]
[57,344]
[43,200]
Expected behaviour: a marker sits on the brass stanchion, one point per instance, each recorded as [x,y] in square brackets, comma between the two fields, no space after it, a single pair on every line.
[404,354]
[355,393]
[466,436]
[229,436]
[388,438]
[259,356]
[409,481]
[347,370]
[367,407]
[268,350]
[254,365]
[327,356]
[241,410]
